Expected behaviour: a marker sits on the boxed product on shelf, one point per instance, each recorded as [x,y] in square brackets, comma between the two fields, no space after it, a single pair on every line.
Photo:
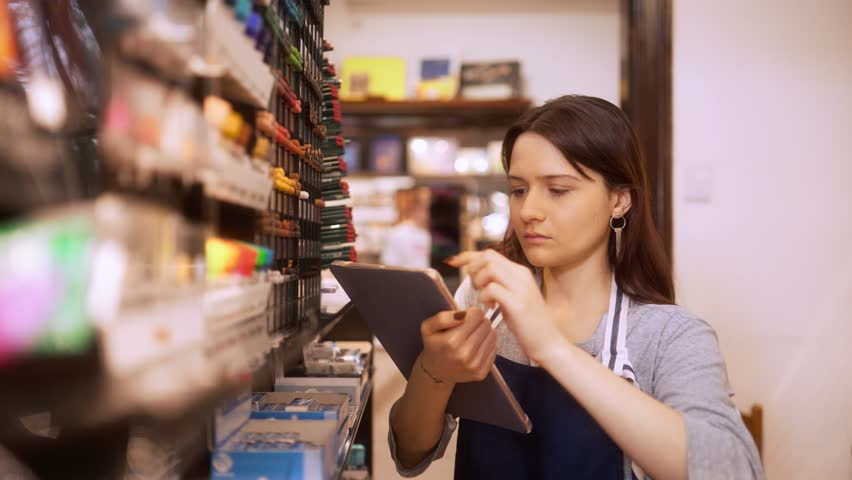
[300,406]
[278,450]
[231,416]
[319,358]
[350,350]
[343,359]
[352,386]
[306,407]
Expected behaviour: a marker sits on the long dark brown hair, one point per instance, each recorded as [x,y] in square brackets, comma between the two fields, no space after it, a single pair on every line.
[594,134]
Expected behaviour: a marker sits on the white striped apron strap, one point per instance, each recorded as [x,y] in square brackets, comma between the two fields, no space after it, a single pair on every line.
[614,353]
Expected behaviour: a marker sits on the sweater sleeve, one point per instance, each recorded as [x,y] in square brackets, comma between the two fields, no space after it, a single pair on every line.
[450,425]
[690,376]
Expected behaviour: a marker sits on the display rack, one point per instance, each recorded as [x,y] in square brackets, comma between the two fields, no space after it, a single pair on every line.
[198,263]
[353,431]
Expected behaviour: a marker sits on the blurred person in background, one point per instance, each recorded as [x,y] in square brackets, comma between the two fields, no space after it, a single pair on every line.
[409,243]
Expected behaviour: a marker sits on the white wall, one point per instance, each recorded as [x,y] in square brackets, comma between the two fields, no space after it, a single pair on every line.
[763,97]
[565,46]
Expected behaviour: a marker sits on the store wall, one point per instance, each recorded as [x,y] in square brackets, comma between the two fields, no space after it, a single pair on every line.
[763,111]
[564,46]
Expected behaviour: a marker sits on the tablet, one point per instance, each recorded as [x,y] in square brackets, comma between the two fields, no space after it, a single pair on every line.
[394,302]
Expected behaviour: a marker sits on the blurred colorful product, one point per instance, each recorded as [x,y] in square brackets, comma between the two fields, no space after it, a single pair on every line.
[47,269]
[8,44]
[228,258]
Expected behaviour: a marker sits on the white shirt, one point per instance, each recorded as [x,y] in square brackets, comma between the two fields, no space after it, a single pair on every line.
[408,246]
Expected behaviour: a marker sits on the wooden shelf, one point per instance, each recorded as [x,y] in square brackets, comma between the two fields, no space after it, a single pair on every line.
[411,116]
[455,107]
[494,181]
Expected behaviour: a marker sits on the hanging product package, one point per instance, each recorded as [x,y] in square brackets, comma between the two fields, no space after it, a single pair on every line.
[80,66]
[57,86]
[29,174]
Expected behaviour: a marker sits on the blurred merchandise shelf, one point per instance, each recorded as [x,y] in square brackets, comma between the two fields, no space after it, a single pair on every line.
[237,180]
[164,132]
[181,266]
[85,394]
[246,76]
[229,305]
[287,349]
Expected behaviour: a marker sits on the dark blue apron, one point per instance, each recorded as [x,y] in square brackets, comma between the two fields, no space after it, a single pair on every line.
[566,442]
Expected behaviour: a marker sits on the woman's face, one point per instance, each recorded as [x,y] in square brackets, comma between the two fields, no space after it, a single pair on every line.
[560,217]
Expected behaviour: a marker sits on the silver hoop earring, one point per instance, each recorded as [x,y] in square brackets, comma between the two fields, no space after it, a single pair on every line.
[617,223]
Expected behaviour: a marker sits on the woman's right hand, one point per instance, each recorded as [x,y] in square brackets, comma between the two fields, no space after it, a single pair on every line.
[458,346]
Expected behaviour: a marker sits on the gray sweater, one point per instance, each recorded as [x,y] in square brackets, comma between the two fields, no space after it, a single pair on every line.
[677,361]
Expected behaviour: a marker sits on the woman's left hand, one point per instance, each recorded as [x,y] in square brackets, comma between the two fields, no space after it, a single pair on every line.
[513,287]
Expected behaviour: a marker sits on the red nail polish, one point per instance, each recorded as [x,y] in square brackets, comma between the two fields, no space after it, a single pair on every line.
[459,315]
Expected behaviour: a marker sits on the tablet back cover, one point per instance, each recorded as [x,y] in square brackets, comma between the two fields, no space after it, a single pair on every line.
[394,302]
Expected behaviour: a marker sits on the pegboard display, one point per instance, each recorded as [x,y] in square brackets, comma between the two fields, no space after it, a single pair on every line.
[338,233]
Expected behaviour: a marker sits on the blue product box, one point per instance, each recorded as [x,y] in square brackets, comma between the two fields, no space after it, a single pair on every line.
[300,406]
[351,386]
[231,417]
[278,450]
[306,407]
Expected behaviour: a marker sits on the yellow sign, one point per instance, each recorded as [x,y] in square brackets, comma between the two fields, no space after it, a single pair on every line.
[364,77]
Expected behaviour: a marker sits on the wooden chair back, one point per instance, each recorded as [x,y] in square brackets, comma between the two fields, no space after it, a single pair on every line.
[753,420]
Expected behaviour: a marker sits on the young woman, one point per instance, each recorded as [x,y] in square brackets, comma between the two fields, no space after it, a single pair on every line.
[618,381]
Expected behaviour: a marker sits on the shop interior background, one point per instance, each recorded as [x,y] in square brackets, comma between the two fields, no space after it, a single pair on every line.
[761,171]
